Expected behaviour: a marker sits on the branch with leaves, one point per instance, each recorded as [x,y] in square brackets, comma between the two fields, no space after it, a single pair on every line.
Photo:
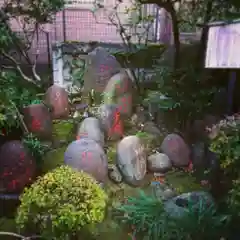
[132,38]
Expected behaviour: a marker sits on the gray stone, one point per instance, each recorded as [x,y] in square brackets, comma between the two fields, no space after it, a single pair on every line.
[119,91]
[100,68]
[176,149]
[162,192]
[132,160]
[91,128]
[159,162]
[178,206]
[114,174]
[87,155]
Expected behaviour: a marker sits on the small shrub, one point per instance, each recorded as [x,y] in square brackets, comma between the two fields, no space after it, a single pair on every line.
[233,199]
[225,143]
[148,218]
[61,204]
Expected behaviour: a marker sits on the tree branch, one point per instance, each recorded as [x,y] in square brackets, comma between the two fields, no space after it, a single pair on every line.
[17,67]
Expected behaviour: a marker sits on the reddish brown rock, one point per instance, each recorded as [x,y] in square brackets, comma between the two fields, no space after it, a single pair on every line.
[17,167]
[38,120]
[57,98]
[176,149]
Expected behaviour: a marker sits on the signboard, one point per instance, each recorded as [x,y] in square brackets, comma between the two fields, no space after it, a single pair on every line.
[223,46]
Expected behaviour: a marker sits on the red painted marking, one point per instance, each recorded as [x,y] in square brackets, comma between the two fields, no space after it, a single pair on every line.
[124,103]
[117,125]
[22,155]
[81,135]
[103,68]
[86,155]
[36,124]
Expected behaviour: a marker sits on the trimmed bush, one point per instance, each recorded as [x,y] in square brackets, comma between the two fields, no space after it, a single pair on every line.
[61,204]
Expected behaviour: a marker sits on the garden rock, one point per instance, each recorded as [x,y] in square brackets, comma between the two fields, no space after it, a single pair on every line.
[163,193]
[107,113]
[178,206]
[57,98]
[101,67]
[17,167]
[125,103]
[119,91]
[159,162]
[87,155]
[91,128]
[176,149]
[114,174]
[131,160]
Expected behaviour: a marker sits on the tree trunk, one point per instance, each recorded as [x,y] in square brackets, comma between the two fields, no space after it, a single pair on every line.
[170,9]
[203,41]
[176,34]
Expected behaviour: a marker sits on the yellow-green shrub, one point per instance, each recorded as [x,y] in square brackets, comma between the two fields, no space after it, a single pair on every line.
[61,203]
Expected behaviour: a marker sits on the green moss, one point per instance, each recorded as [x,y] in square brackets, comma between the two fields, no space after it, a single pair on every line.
[53,159]
[63,130]
[111,153]
[183,182]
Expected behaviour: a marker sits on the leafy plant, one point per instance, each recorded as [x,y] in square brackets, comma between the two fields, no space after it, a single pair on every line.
[144,214]
[182,94]
[149,219]
[36,148]
[233,198]
[61,204]
[13,93]
[225,143]
[200,222]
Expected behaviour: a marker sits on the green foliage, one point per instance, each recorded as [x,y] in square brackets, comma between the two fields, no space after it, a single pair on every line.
[188,94]
[226,144]
[233,198]
[144,214]
[13,93]
[77,70]
[39,11]
[137,56]
[62,203]
[36,147]
[149,219]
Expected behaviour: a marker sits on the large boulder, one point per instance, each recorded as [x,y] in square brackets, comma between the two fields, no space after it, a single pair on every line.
[119,90]
[176,149]
[38,120]
[178,206]
[17,167]
[132,160]
[87,155]
[57,98]
[100,68]
[91,128]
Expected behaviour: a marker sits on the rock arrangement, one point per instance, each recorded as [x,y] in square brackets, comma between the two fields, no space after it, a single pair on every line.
[132,161]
